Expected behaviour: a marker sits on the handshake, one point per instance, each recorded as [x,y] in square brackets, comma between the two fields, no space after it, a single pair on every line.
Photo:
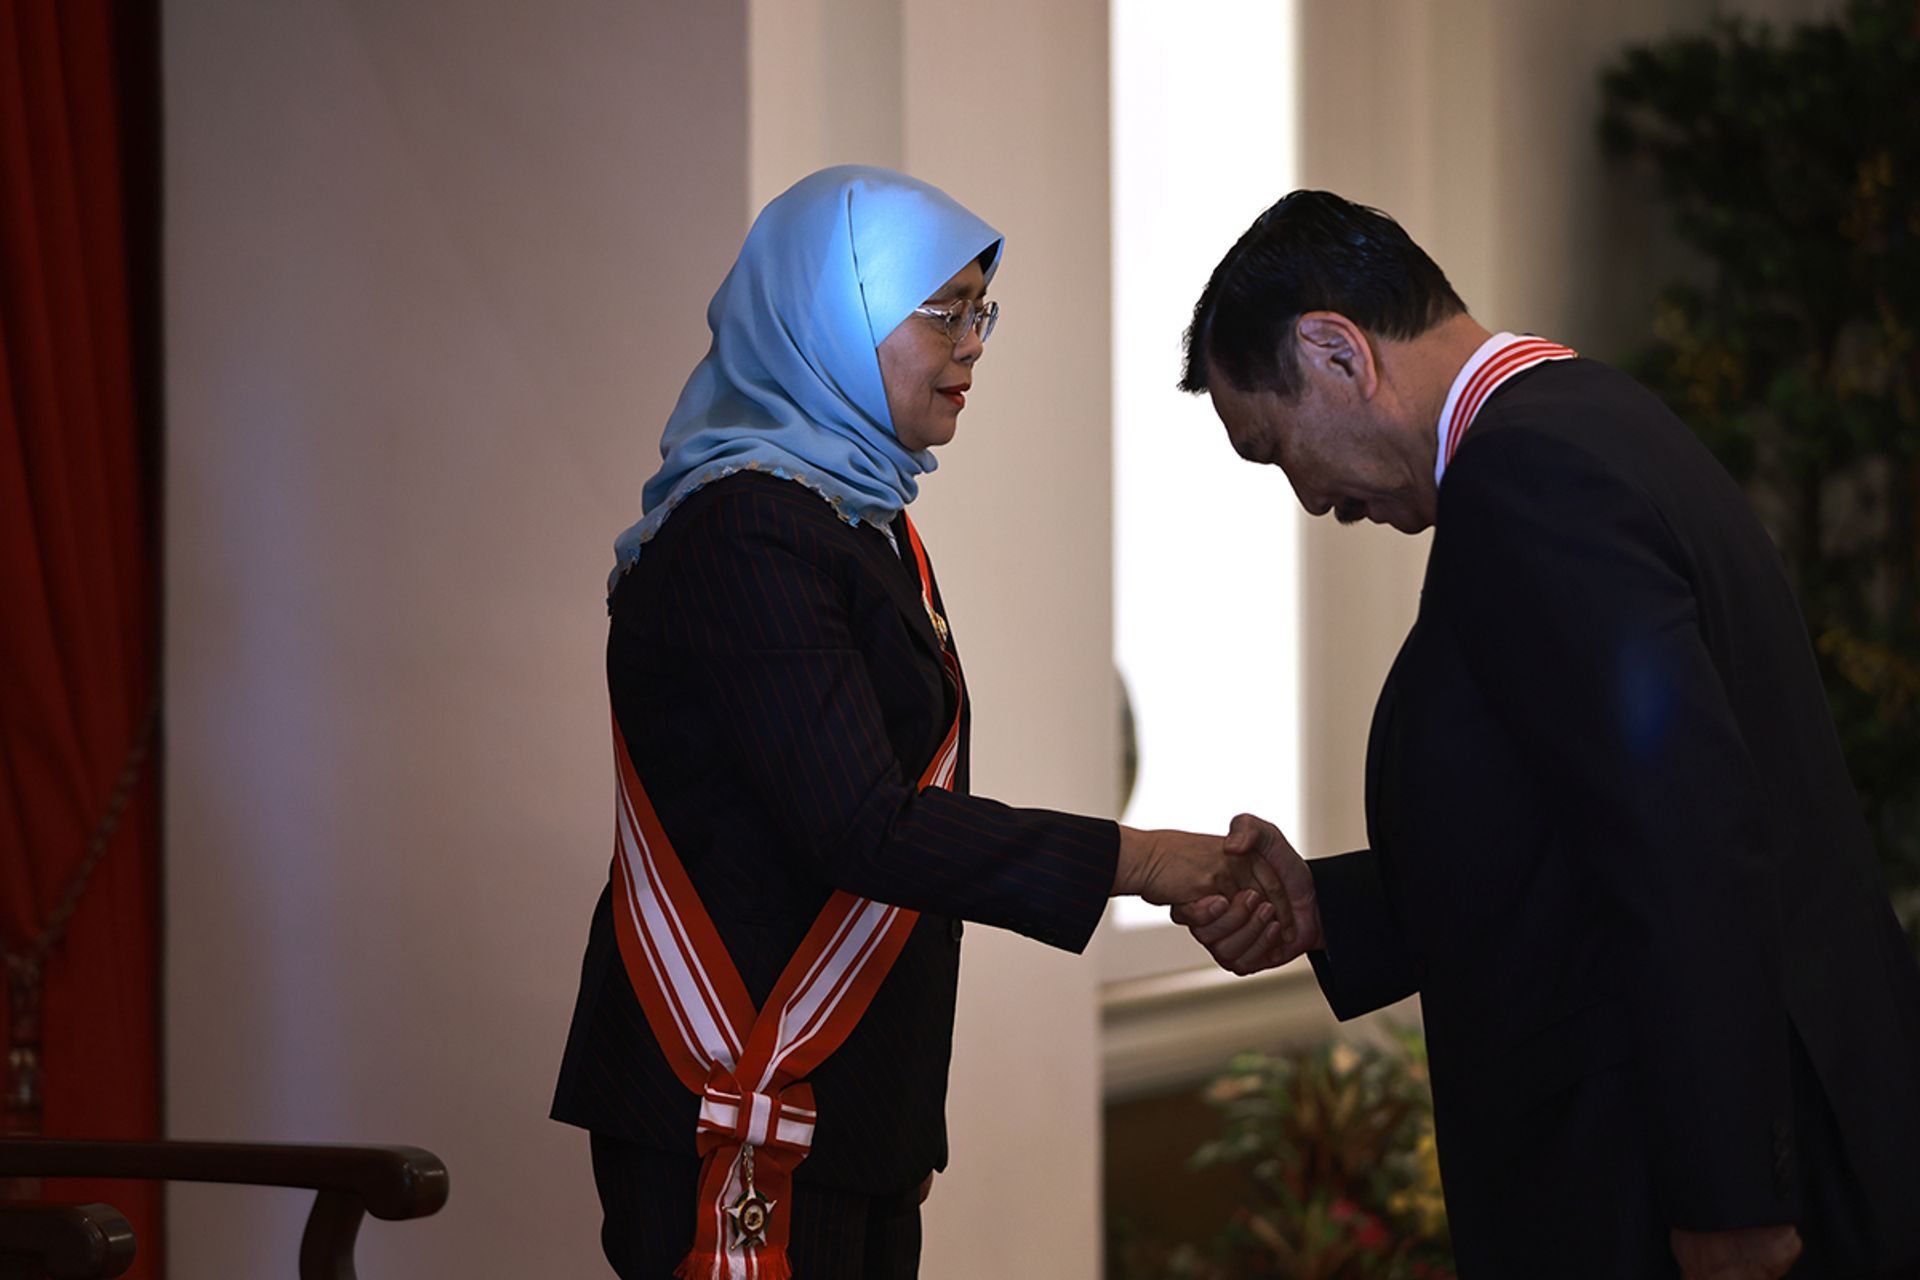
[1247,897]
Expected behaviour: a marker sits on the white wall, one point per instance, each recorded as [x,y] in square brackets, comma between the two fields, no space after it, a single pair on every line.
[434,277]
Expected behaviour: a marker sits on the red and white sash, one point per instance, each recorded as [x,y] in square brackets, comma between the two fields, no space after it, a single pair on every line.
[749,1066]
[1499,358]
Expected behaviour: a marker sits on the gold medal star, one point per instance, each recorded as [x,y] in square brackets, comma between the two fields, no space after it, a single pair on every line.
[749,1216]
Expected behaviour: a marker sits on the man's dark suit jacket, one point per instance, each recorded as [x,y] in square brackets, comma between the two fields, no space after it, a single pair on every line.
[1616,850]
[777,679]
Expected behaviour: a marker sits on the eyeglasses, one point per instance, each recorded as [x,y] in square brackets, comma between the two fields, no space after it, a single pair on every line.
[957,317]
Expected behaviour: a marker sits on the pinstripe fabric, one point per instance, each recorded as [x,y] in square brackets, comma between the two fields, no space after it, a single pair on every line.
[778,683]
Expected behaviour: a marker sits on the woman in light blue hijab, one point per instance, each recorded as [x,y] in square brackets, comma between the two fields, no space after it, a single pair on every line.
[791,384]
[792,738]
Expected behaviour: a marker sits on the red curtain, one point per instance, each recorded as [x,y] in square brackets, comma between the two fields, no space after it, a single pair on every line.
[79,855]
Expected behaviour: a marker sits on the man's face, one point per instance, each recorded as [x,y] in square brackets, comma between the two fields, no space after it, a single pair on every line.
[1335,449]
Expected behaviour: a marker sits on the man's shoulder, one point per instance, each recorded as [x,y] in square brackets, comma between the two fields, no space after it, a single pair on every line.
[1537,465]
[1562,396]
[1580,443]
[1583,416]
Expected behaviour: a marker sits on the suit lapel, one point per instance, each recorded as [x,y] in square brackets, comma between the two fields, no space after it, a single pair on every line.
[901,582]
[1384,762]
[903,586]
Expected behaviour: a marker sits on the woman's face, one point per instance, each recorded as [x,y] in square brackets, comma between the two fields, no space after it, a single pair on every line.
[926,373]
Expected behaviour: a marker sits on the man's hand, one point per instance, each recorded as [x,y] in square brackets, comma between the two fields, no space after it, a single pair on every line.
[1232,927]
[1757,1253]
[1167,867]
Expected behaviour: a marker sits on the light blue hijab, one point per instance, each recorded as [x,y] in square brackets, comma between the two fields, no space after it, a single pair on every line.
[791,384]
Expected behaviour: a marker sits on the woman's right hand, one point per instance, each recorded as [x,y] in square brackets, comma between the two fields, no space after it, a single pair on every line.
[1233,930]
[1174,868]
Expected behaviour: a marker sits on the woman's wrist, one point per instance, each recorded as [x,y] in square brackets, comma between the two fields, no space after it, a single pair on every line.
[1132,870]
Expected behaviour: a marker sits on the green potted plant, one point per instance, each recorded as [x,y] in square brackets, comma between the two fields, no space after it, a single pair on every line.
[1339,1179]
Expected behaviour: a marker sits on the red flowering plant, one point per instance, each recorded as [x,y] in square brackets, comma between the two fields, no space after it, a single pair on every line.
[1341,1181]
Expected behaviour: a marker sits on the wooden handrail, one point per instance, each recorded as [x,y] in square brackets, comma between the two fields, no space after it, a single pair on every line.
[390,1182]
[63,1242]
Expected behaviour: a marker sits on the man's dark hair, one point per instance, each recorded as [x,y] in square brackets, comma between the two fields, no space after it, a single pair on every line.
[1312,251]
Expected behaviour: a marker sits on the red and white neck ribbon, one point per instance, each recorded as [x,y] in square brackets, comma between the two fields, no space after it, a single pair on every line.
[749,1065]
[1499,358]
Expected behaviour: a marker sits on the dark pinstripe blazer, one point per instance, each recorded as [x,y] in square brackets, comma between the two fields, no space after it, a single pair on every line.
[776,677]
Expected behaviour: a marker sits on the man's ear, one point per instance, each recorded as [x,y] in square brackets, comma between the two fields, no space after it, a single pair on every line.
[1336,347]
